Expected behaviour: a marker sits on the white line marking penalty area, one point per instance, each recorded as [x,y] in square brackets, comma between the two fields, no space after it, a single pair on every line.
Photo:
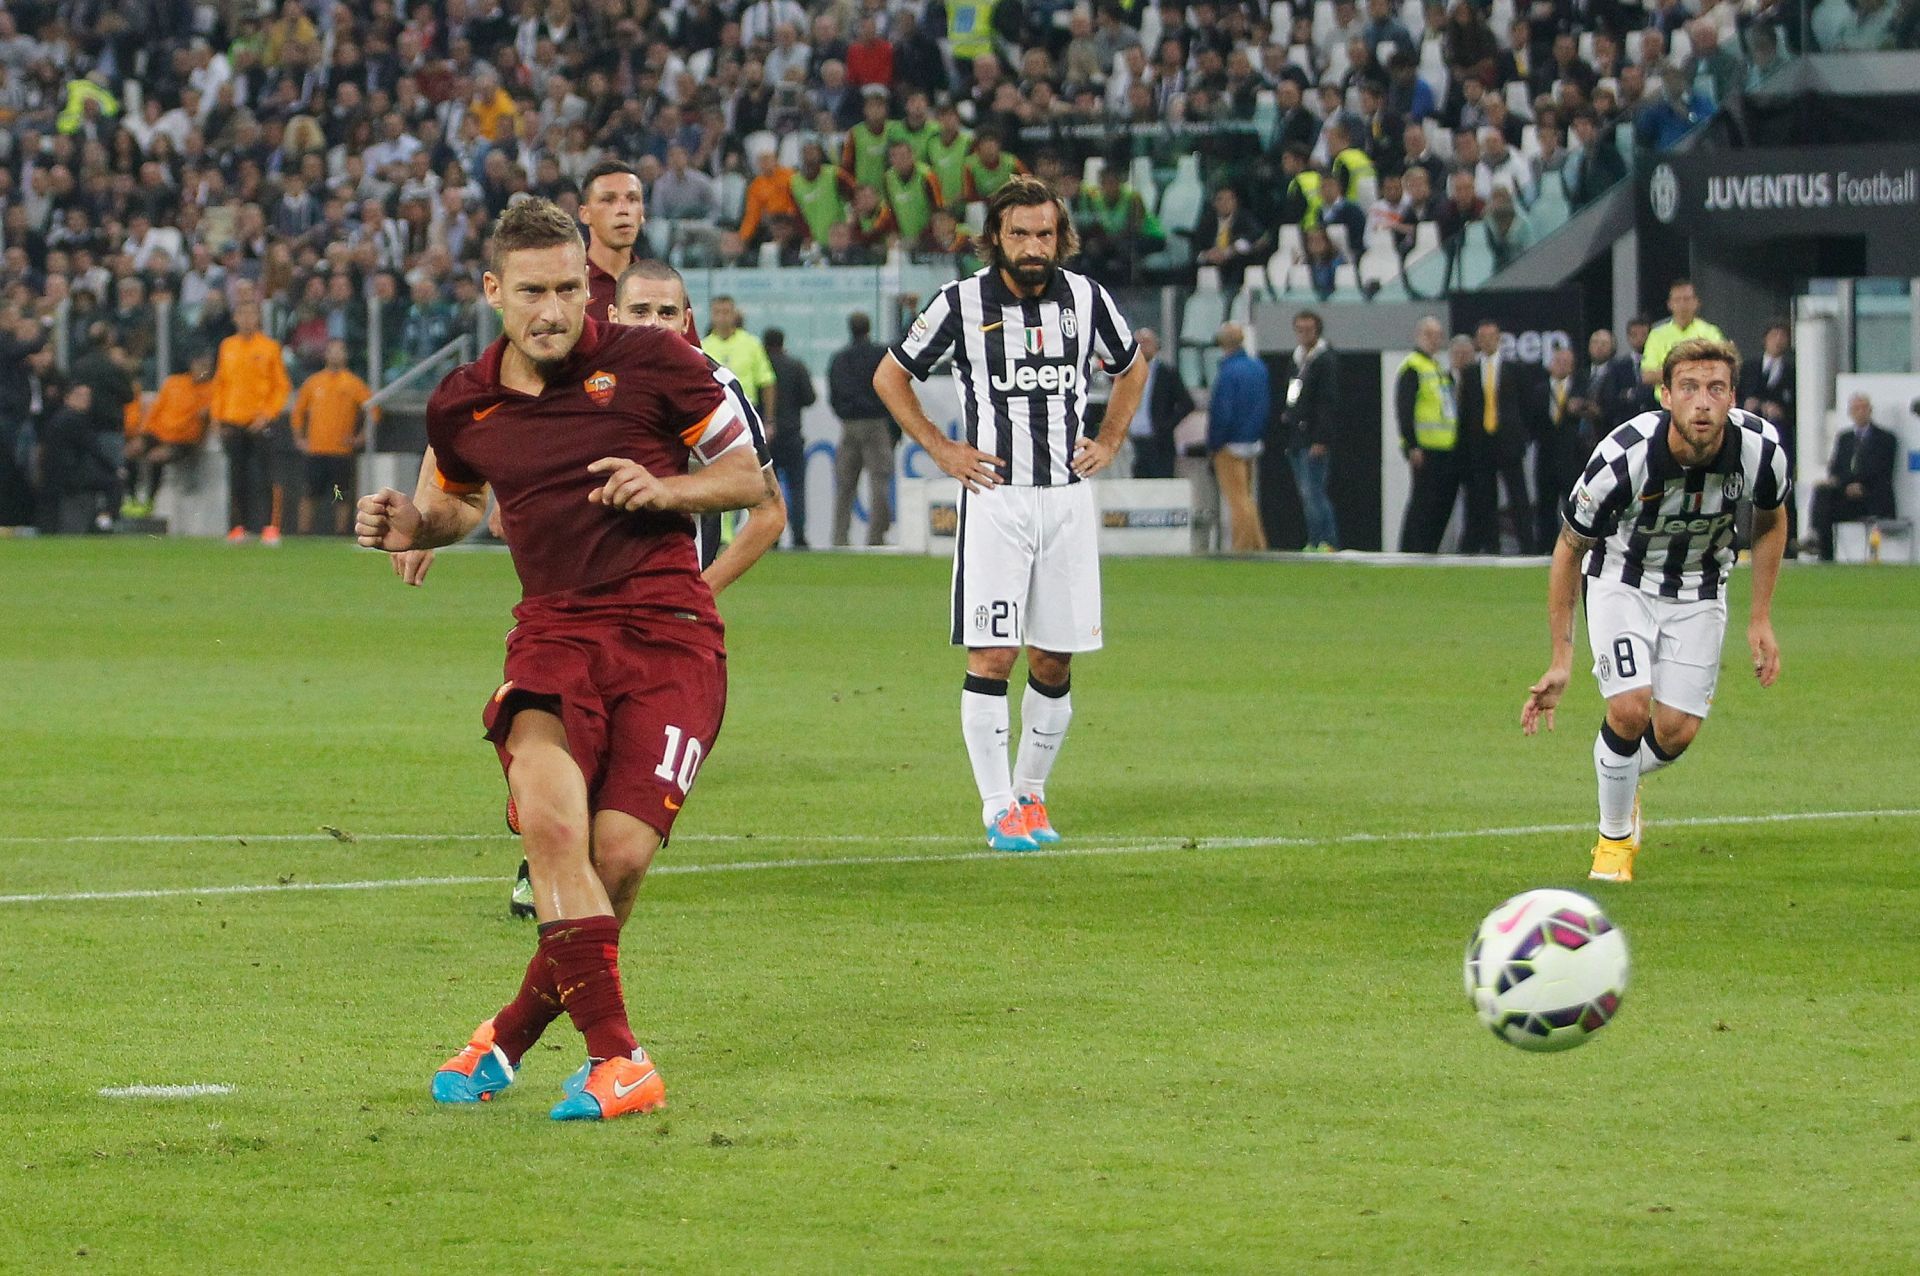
[1155,846]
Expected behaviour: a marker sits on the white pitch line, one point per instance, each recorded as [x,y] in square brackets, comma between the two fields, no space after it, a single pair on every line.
[1159,846]
[171,839]
[163,1091]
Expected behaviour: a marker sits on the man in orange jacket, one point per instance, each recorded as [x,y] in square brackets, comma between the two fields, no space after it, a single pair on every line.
[250,392]
[172,429]
[770,192]
[326,429]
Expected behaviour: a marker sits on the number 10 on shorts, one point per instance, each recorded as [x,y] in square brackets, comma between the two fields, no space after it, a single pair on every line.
[680,761]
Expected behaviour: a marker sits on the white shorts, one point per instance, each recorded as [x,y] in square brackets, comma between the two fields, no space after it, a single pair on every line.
[1641,640]
[1026,569]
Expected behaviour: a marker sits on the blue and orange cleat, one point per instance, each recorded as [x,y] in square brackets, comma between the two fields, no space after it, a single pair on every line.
[476,1074]
[1039,827]
[1008,832]
[577,1083]
[614,1088]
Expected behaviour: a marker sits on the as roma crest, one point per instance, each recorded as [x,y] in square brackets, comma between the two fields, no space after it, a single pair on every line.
[599,388]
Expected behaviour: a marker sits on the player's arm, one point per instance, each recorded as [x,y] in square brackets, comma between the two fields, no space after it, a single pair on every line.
[439,512]
[1563,588]
[976,470]
[1769,547]
[731,481]
[761,533]
[1090,456]
[412,565]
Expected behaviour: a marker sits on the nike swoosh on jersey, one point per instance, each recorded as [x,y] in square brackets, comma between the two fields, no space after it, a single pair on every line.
[989,327]
[671,804]
[481,414]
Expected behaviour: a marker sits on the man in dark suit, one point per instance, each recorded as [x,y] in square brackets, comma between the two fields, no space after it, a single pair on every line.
[1859,478]
[1494,429]
[1596,166]
[1294,124]
[1167,403]
[1767,383]
[1610,390]
[1229,237]
[1564,444]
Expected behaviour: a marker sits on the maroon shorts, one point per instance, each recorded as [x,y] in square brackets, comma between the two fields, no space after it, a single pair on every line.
[641,710]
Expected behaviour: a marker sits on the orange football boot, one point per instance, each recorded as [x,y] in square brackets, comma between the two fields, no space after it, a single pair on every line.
[615,1088]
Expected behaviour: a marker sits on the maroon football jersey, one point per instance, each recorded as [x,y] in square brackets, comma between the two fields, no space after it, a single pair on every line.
[600,286]
[638,393]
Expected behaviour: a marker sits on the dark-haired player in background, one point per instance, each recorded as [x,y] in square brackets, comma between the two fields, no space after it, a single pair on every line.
[1024,334]
[614,211]
[616,670]
[1651,524]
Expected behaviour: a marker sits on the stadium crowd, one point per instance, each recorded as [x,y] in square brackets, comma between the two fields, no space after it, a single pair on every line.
[330,169]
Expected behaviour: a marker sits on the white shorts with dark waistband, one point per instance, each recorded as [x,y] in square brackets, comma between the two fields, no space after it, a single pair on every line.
[1642,640]
[1026,569]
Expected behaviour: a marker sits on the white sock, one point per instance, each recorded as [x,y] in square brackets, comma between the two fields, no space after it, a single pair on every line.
[983,724]
[1619,774]
[1044,716]
[1651,759]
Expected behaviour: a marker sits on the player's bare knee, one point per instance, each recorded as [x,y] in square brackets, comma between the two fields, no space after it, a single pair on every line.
[1630,712]
[552,832]
[623,850]
[1674,729]
[623,861]
[1048,667]
[992,662]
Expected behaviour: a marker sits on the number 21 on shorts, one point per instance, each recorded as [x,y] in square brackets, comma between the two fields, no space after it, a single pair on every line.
[680,761]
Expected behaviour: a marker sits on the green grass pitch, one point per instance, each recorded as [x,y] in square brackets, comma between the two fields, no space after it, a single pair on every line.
[1224,1033]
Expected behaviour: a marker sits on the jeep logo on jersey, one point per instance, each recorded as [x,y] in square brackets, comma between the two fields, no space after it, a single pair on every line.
[599,388]
[1026,378]
[1678,526]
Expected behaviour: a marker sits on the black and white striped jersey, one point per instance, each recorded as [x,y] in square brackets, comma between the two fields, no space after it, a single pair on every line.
[1663,528]
[743,404]
[1022,365]
[706,527]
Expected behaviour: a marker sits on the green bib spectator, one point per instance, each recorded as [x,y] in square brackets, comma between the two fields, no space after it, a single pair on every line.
[911,192]
[946,155]
[865,154]
[822,193]
[918,129]
[989,168]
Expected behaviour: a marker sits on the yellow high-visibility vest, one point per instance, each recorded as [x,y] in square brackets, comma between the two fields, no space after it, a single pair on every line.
[1436,423]
[970,27]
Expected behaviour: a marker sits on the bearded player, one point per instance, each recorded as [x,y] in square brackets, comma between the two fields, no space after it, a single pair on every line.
[616,670]
[1024,334]
[1649,530]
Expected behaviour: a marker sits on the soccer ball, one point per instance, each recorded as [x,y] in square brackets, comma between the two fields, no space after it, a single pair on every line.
[1546,970]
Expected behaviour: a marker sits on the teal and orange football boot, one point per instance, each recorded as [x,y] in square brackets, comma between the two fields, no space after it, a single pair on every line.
[476,1074]
[615,1088]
